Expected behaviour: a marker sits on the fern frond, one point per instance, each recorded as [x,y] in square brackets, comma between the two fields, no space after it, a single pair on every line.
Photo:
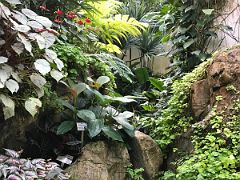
[117,65]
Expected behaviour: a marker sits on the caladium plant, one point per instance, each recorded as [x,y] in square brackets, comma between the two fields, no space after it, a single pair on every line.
[25,57]
[12,167]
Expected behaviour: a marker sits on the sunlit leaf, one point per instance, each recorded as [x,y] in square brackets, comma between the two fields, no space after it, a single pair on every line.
[42,66]
[12,85]
[57,75]
[32,105]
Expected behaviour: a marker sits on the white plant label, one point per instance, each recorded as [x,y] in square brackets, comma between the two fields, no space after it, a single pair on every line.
[81,126]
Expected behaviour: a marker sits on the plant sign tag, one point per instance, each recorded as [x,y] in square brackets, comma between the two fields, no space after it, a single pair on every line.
[67,159]
[81,126]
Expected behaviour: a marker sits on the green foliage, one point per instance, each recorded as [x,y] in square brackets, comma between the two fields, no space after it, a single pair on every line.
[231,88]
[216,154]
[88,105]
[112,27]
[80,66]
[134,174]
[175,119]
[189,26]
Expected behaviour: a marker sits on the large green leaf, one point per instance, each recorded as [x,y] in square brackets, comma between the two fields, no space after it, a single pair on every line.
[65,127]
[95,127]
[157,83]
[86,115]
[67,104]
[112,133]
[142,75]
[131,133]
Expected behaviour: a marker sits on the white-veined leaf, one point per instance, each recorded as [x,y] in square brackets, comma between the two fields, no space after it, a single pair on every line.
[9,106]
[12,85]
[49,39]
[44,21]
[40,92]
[41,41]
[22,28]
[27,44]
[59,64]
[4,75]
[57,75]
[32,105]
[20,17]
[38,80]
[29,13]
[34,25]
[50,55]
[18,48]
[16,77]
[42,66]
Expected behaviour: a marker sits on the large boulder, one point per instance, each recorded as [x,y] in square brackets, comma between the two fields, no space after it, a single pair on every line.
[101,161]
[145,153]
[200,98]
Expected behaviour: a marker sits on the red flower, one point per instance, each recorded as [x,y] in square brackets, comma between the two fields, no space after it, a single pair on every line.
[87,20]
[44,8]
[71,15]
[59,12]
[80,22]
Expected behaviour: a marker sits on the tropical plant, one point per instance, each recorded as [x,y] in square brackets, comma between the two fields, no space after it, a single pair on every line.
[15,168]
[190,28]
[25,58]
[111,26]
[88,105]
